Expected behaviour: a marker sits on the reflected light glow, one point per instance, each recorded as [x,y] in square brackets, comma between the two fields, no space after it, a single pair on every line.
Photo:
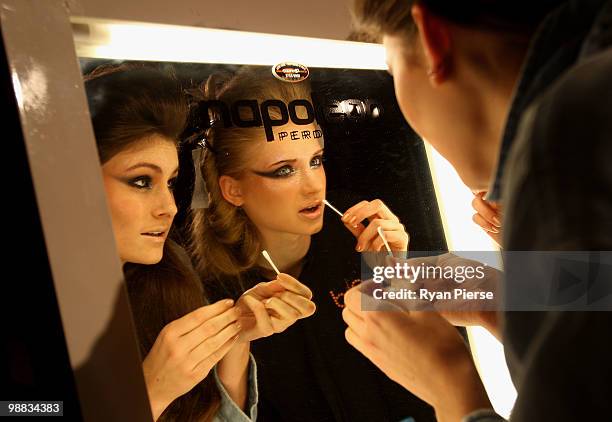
[100,38]
[462,234]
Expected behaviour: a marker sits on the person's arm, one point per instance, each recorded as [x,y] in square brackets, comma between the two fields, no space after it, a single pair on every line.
[229,410]
[233,372]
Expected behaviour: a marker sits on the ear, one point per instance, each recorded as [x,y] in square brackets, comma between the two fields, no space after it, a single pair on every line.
[231,190]
[435,36]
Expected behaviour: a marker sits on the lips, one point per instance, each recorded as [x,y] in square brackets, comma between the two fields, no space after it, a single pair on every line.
[312,207]
[312,211]
[159,233]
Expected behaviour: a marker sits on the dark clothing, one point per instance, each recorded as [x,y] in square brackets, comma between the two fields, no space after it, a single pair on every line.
[310,372]
[555,180]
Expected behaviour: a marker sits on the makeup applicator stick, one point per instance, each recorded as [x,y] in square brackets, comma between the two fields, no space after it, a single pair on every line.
[326,202]
[384,239]
[267,256]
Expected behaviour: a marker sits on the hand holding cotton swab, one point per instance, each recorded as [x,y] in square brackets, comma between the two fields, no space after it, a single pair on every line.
[384,239]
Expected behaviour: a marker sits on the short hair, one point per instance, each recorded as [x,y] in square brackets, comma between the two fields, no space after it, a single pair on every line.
[393,17]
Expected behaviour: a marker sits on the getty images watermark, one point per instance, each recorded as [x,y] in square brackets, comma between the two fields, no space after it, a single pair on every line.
[467,281]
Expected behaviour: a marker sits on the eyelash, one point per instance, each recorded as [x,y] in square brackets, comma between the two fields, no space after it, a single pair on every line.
[278,173]
[148,183]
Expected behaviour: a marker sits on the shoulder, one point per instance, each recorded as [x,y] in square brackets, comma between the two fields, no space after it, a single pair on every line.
[573,118]
[558,178]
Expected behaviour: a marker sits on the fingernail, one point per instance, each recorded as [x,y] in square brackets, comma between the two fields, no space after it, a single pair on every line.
[229,302]
[238,326]
[267,301]
[359,248]
[494,229]
[496,221]
[353,221]
[345,217]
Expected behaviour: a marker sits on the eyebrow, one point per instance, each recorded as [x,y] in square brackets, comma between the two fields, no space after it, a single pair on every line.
[151,166]
[293,160]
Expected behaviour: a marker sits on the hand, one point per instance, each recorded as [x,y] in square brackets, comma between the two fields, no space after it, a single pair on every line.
[272,307]
[420,351]
[186,350]
[488,216]
[459,312]
[378,215]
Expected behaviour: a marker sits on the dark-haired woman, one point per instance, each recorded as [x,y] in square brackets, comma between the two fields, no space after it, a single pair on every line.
[517,95]
[196,355]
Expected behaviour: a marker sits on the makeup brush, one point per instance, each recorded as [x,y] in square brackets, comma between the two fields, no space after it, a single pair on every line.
[267,256]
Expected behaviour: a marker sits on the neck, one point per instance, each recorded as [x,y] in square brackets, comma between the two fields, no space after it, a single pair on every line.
[494,91]
[287,251]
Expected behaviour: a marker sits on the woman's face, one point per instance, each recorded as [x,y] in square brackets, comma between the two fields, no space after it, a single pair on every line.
[138,183]
[284,184]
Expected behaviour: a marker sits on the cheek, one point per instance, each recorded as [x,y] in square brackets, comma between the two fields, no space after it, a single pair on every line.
[406,96]
[125,210]
[271,192]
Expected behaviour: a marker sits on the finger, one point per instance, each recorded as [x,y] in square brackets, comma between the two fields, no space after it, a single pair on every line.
[304,306]
[210,328]
[349,215]
[358,343]
[365,209]
[262,318]
[195,318]
[486,211]
[370,234]
[352,299]
[265,289]
[478,219]
[203,367]
[355,229]
[293,285]
[397,240]
[354,321]
[497,238]
[212,344]
[284,315]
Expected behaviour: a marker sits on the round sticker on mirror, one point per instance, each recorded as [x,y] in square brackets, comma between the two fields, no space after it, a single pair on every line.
[290,72]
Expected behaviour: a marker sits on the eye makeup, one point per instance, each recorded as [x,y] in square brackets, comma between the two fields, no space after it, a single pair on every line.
[139,182]
[288,170]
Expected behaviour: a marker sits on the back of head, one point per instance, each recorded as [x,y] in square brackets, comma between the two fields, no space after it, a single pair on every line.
[392,17]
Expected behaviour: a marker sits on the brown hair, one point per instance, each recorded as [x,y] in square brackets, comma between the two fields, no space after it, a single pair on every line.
[128,104]
[224,241]
[161,293]
[393,17]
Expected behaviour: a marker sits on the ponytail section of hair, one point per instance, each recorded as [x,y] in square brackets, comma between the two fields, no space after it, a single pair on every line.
[160,294]
[224,242]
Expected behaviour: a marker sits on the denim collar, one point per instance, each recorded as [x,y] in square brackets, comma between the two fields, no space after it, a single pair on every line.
[574,31]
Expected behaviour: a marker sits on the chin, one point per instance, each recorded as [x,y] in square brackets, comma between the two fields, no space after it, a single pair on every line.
[145,259]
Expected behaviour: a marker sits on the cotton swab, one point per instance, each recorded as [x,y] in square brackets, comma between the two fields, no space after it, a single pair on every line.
[267,256]
[326,202]
[382,236]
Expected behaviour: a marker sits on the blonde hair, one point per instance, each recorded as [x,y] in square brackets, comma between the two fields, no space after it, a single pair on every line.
[224,242]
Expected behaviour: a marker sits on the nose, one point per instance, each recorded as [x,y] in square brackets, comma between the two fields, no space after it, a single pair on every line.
[313,182]
[165,204]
